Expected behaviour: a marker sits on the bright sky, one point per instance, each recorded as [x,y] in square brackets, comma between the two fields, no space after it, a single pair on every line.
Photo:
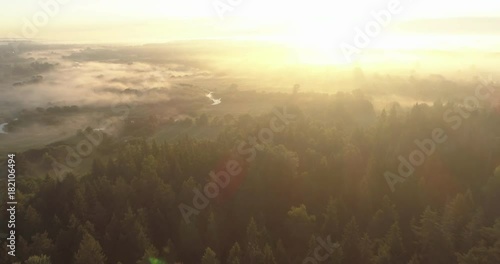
[93,16]
[87,10]
[304,22]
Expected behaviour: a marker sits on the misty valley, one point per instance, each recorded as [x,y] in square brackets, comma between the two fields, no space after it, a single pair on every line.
[212,151]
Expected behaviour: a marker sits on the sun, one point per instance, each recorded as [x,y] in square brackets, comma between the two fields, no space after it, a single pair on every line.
[317,40]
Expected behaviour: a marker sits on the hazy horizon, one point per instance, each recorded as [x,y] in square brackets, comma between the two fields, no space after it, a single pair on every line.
[250,132]
[324,24]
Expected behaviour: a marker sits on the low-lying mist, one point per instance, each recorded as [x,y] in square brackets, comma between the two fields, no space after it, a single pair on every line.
[50,91]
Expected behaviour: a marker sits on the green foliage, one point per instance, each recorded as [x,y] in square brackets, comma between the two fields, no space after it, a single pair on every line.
[209,257]
[321,176]
[43,259]
[90,251]
[235,254]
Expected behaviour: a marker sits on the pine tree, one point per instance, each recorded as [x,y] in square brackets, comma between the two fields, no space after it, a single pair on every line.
[434,246]
[169,252]
[150,253]
[235,254]
[382,219]
[33,221]
[365,250]
[268,255]
[253,250]
[253,235]
[300,225]
[90,251]
[456,216]
[395,242]
[331,219]
[212,233]
[41,244]
[356,248]
[209,257]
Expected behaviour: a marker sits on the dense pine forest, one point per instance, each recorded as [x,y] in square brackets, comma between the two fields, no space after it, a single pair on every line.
[309,189]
